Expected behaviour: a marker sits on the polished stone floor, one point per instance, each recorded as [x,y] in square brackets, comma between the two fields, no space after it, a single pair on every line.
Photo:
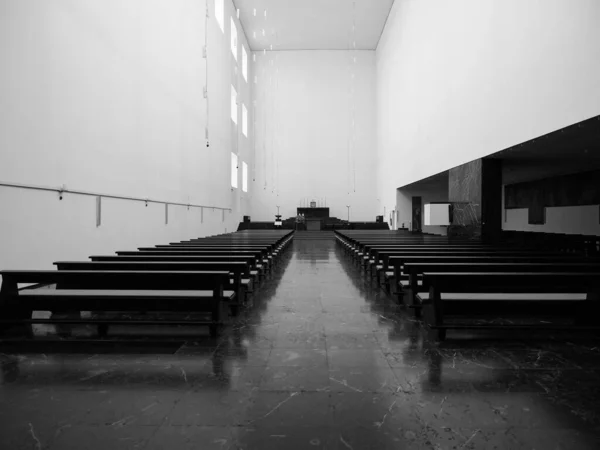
[321,361]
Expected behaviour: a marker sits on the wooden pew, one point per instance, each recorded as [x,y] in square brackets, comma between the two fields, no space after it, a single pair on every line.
[393,261]
[264,263]
[114,291]
[256,268]
[472,294]
[397,262]
[380,256]
[414,284]
[240,281]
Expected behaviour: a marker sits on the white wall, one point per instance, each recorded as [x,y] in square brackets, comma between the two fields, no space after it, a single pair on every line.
[303,131]
[433,191]
[463,79]
[108,97]
[567,220]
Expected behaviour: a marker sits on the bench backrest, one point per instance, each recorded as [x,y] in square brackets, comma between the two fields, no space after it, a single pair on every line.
[396,260]
[511,282]
[389,251]
[262,249]
[125,280]
[139,256]
[191,251]
[235,267]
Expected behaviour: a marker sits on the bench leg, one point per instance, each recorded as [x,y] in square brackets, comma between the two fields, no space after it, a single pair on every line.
[437,334]
[65,330]
[587,312]
[17,315]
[102,330]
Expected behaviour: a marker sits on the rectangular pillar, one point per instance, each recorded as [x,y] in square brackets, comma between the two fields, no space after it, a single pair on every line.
[475,189]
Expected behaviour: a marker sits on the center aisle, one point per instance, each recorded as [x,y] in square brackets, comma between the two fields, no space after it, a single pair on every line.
[327,382]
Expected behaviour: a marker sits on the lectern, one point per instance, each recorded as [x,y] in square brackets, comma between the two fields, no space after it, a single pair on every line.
[313,224]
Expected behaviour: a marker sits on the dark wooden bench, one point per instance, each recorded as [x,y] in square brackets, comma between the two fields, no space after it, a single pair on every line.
[113,291]
[466,296]
[240,280]
[415,270]
[264,261]
[395,260]
[377,257]
[395,263]
[256,267]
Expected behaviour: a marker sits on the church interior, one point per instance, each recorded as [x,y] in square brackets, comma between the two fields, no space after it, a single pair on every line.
[300,224]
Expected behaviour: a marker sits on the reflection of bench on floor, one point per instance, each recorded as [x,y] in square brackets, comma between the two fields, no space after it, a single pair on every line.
[114,291]
[475,295]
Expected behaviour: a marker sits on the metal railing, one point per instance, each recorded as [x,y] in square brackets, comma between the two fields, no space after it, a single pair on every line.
[64,190]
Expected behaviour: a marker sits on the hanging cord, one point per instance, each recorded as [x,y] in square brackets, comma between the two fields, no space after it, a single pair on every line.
[353,90]
[206,131]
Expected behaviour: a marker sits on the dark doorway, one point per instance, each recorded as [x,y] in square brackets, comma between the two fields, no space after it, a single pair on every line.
[417,208]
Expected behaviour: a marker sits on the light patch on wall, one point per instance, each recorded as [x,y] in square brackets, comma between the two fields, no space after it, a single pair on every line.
[244,120]
[234,108]
[244,63]
[244,177]
[220,14]
[234,39]
[234,171]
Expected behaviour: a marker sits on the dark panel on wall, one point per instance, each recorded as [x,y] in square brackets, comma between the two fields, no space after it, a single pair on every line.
[464,192]
[491,199]
[577,189]
[417,208]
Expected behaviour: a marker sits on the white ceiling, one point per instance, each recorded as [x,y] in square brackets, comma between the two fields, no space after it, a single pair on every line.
[313,24]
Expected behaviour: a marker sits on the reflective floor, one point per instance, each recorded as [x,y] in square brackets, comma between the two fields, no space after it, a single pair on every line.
[321,361]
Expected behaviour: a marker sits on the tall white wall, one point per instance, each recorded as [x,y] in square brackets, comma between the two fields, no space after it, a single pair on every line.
[463,79]
[304,131]
[108,97]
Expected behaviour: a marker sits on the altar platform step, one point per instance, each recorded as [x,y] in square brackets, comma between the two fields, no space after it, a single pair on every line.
[314,235]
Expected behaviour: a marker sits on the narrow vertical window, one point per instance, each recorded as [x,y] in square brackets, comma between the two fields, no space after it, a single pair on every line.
[234,108]
[245,177]
[244,63]
[244,120]
[220,14]
[234,41]
[234,171]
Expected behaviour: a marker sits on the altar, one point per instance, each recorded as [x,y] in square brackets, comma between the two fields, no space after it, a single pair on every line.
[313,224]
[314,213]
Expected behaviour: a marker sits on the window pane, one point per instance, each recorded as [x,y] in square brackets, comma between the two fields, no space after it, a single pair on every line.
[245,177]
[234,171]
[220,14]
[244,120]
[234,108]
[244,63]
[234,43]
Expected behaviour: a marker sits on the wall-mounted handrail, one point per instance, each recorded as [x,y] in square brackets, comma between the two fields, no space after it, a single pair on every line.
[64,190]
